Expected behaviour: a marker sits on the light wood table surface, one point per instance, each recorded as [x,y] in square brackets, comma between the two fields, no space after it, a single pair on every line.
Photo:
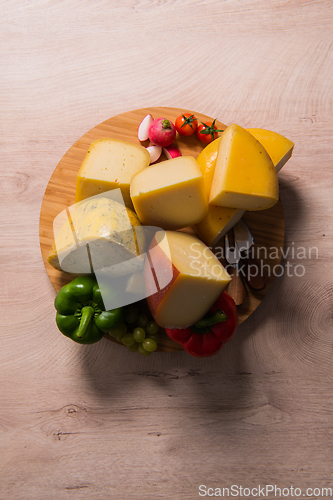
[98,422]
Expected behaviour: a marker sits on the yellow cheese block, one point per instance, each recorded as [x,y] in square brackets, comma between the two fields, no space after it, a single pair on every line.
[110,164]
[170,194]
[277,146]
[183,279]
[100,233]
[244,175]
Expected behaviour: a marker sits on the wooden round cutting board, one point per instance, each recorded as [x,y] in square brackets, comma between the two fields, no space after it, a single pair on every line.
[267,226]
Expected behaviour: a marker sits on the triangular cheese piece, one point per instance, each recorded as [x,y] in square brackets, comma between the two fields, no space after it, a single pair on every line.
[244,175]
[277,146]
[217,223]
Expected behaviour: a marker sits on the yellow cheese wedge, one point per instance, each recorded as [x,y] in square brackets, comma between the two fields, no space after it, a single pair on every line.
[110,164]
[207,161]
[188,276]
[170,194]
[99,234]
[219,220]
[244,174]
[277,146]
[217,223]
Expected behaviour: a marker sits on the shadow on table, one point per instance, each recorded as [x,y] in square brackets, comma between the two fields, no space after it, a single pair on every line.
[220,384]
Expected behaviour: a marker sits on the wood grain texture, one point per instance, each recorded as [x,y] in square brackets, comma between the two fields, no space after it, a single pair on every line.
[98,422]
[267,227]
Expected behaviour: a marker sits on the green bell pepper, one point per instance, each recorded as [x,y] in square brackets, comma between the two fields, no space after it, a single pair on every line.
[81,314]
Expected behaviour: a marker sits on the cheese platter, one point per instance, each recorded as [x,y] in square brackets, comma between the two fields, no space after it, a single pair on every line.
[266,226]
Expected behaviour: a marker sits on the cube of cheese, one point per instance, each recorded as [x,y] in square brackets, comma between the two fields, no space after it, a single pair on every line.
[277,146]
[170,194]
[244,175]
[110,164]
[188,276]
[100,233]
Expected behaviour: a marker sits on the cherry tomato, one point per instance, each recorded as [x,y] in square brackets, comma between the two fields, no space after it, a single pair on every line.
[207,132]
[186,124]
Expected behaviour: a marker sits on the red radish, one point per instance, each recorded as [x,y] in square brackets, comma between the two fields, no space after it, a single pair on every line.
[171,152]
[155,152]
[144,127]
[162,132]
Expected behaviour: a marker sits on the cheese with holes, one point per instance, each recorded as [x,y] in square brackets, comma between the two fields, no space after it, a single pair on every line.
[100,233]
[170,194]
[110,164]
[244,175]
[183,279]
[277,146]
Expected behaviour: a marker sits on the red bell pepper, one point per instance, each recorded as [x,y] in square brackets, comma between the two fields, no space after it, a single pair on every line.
[208,335]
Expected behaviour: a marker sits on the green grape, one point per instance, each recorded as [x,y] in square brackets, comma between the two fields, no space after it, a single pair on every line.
[139,334]
[155,336]
[134,347]
[152,328]
[119,330]
[143,351]
[143,320]
[128,339]
[149,345]
[132,313]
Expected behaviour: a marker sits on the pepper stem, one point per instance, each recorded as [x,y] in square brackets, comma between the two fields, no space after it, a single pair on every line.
[87,315]
[204,325]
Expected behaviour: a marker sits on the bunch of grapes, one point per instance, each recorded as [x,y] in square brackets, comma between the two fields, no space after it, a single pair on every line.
[138,332]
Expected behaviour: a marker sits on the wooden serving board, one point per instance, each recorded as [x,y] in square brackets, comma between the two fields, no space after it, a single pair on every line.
[267,226]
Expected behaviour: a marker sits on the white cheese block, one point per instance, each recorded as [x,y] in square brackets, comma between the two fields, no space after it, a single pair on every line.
[100,234]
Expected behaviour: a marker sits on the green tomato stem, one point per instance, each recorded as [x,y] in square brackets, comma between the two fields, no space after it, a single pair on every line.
[188,121]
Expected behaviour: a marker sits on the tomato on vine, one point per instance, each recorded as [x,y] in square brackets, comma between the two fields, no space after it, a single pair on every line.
[207,132]
[186,124]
